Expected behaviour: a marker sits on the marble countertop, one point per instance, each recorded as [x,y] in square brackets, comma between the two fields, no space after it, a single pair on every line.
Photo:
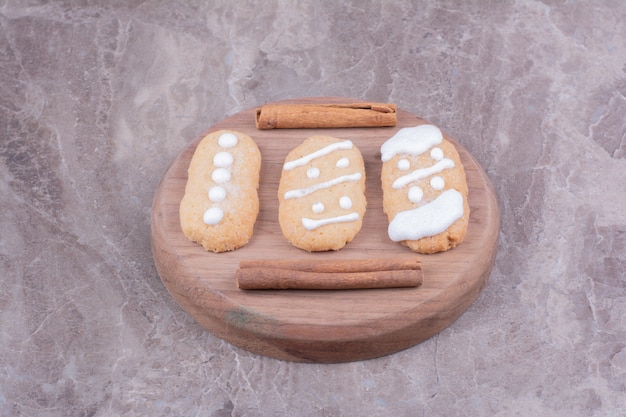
[98,99]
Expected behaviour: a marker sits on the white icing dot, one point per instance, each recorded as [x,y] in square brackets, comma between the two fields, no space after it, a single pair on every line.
[217,194]
[415,194]
[222,159]
[437,183]
[317,208]
[220,176]
[404,164]
[345,202]
[343,163]
[213,215]
[227,140]
[436,154]
[312,173]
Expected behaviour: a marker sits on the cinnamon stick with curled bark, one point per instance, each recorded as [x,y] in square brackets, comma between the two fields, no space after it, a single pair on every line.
[303,116]
[329,275]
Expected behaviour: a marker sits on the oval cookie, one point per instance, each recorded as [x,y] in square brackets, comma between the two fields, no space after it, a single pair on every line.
[424,190]
[221,204]
[322,194]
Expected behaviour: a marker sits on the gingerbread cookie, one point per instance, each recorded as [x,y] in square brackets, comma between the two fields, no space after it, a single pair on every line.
[424,190]
[221,204]
[322,194]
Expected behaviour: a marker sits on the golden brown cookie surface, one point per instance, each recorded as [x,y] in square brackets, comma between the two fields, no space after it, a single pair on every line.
[424,190]
[322,194]
[221,204]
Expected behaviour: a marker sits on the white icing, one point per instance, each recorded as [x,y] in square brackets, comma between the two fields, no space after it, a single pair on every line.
[312,224]
[217,194]
[346,144]
[227,140]
[437,183]
[213,215]
[427,220]
[404,164]
[423,173]
[415,194]
[345,202]
[223,159]
[432,218]
[411,140]
[312,173]
[343,163]
[220,176]
[436,154]
[317,208]
[298,193]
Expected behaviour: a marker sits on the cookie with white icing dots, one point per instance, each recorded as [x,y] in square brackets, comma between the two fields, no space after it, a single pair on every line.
[322,194]
[221,203]
[424,190]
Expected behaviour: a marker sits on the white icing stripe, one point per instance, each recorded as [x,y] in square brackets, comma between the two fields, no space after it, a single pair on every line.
[311,224]
[423,173]
[427,220]
[411,140]
[306,191]
[346,144]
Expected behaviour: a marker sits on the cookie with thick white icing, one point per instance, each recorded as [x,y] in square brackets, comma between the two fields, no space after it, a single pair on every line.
[221,204]
[322,194]
[424,190]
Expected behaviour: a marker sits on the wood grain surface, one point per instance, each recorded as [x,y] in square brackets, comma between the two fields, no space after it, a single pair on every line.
[321,326]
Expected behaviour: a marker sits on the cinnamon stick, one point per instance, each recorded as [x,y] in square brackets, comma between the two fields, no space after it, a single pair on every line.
[280,279]
[302,116]
[347,265]
[328,275]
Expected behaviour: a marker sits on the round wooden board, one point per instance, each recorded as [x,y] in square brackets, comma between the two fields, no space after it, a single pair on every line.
[321,326]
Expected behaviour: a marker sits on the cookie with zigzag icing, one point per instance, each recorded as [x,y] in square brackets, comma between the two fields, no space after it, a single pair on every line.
[424,190]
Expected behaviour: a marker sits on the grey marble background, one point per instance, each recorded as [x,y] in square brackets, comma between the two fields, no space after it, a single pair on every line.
[98,97]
